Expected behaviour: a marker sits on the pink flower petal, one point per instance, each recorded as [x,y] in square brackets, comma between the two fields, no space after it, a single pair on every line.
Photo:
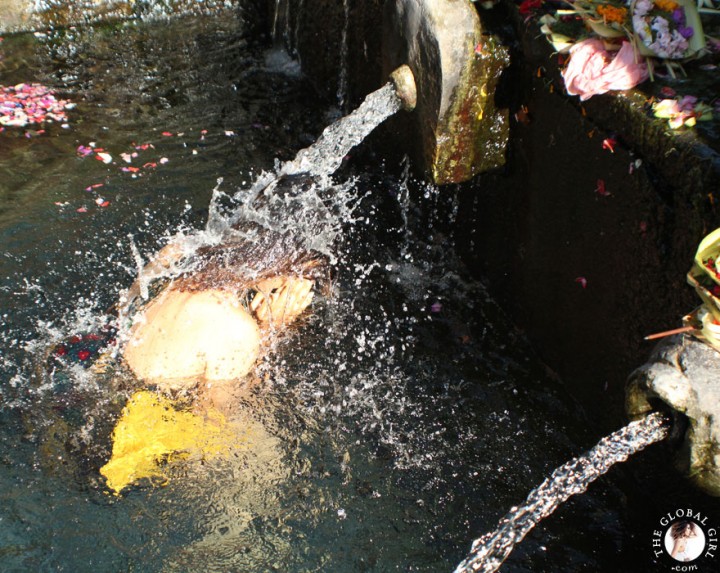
[609,144]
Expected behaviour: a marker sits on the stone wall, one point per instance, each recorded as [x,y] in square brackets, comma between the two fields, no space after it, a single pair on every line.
[338,43]
[585,247]
[14,14]
[32,15]
[23,15]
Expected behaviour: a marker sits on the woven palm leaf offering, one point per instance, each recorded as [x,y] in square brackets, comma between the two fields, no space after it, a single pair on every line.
[705,278]
[667,29]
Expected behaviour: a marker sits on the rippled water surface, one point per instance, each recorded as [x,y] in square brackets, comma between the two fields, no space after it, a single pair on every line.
[396,424]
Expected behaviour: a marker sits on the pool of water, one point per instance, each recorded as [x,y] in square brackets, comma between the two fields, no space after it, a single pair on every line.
[397,423]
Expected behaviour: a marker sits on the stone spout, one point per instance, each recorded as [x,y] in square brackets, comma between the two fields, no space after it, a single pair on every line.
[404,82]
[456,130]
[681,377]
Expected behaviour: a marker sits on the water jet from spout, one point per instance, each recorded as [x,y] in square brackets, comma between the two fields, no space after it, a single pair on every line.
[327,153]
[489,552]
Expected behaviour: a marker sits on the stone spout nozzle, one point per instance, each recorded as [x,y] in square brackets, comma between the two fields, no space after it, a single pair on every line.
[404,82]
[680,380]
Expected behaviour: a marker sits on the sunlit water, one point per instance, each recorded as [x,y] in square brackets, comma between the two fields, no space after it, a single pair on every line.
[402,417]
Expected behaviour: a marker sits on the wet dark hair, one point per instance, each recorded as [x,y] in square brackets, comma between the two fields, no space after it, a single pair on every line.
[249,257]
[678,528]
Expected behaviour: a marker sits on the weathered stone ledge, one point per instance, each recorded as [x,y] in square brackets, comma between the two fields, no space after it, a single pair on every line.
[682,156]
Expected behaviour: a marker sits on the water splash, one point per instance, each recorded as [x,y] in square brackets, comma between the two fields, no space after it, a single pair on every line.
[489,552]
[296,35]
[299,198]
[327,153]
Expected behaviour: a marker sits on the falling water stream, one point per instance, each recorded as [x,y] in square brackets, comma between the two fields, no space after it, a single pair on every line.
[326,155]
[342,90]
[401,417]
[490,551]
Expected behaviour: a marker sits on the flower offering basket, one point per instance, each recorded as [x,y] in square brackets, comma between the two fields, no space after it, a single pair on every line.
[667,29]
[670,30]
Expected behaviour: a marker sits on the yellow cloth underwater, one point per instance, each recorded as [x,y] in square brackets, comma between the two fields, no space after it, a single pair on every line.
[151,431]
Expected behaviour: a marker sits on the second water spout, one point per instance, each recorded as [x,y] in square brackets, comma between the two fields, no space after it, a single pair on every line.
[490,551]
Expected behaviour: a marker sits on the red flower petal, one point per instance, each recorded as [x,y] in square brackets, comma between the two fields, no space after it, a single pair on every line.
[600,189]
[609,143]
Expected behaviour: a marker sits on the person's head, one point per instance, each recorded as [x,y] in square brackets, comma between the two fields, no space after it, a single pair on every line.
[208,326]
[250,256]
[683,528]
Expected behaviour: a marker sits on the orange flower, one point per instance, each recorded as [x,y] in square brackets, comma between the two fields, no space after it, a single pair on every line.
[667,5]
[612,13]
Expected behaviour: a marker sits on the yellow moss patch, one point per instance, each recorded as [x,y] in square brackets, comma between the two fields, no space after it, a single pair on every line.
[151,431]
